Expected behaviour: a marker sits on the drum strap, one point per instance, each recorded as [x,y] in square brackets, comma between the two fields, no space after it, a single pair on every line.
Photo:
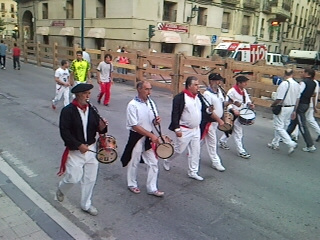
[63,163]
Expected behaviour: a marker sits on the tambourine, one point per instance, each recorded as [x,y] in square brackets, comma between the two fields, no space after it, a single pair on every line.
[165,148]
[106,146]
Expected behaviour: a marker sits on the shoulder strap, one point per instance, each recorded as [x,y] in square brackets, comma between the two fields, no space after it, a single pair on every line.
[286,93]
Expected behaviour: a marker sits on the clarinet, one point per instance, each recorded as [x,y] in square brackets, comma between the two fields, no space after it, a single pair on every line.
[97,112]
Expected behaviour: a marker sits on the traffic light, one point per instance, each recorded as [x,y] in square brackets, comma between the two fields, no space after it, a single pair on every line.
[275,23]
[151,31]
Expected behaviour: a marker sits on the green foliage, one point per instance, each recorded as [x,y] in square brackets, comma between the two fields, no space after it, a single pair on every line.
[2,25]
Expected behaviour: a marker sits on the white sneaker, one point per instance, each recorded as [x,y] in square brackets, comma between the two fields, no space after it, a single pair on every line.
[309,149]
[92,211]
[223,145]
[218,167]
[59,195]
[272,146]
[244,155]
[166,165]
[291,149]
[196,177]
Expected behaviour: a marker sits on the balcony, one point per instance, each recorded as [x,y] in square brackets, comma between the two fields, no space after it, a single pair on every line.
[253,4]
[266,8]
[231,2]
[311,19]
[170,16]
[281,8]
[204,2]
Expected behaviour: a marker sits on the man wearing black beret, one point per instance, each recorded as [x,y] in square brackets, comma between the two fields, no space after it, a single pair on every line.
[78,125]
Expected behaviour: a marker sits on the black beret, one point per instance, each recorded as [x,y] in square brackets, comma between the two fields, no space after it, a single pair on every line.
[241,79]
[81,87]
[215,76]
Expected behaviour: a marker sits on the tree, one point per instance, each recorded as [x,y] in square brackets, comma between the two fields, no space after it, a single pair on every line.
[2,27]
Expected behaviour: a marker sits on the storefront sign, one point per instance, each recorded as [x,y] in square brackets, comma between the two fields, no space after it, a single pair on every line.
[172,27]
[58,23]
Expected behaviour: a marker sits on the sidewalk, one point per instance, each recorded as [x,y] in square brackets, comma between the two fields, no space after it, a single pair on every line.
[24,214]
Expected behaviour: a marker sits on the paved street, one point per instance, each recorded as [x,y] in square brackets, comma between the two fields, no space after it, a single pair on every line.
[270,196]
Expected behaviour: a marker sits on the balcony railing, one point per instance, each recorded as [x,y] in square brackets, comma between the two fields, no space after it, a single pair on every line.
[245,30]
[205,2]
[281,10]
[232,2]
[100,13]
[266,8]
[202,20]
[69,13]
[225,25]
[251,4]
[170,16]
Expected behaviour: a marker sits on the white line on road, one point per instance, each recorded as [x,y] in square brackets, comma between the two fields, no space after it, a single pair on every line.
[65,223]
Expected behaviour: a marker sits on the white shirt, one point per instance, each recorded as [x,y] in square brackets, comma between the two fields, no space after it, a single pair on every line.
[237,97]
[293,92]
[86,56]
[63,75]
[105,70]
[216,100]
[140,114]
[191,115]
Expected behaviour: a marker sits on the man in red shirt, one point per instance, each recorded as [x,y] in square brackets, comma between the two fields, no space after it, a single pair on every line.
[16,56]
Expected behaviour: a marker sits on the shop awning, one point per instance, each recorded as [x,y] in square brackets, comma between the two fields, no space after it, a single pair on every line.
[43,30]
[68,31]
[201,40]
[170,37]
[97,33]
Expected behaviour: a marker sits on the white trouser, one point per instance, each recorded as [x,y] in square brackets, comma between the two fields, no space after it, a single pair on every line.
[150,159]
[84,168]
[211,141]
[237,133]
[62,91]
[311,120]
[280,125]
[190,140]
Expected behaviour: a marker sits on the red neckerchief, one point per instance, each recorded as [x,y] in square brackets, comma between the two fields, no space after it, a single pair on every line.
[76,103]
[190,94]
[236,87]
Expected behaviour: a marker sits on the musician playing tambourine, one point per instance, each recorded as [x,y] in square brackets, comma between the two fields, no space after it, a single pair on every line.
[214,102]
[140,122]
[240,100]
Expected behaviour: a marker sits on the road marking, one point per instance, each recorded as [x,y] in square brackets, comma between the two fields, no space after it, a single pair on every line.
[8,156]
[65,223]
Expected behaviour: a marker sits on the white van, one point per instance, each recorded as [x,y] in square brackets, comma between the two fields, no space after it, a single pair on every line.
[274,59]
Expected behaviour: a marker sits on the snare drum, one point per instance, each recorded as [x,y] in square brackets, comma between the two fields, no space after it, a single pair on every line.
[247,116]
[228,122]
[165,148]
[106,146]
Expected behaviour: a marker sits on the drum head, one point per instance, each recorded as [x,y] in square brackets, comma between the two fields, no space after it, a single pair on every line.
[225,127]
[107,155]
[164,150]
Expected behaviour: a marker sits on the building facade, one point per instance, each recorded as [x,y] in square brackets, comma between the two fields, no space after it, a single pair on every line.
[8,13]
[193,27]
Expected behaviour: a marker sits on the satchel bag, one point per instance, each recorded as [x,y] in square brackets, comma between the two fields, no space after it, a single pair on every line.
[277,109]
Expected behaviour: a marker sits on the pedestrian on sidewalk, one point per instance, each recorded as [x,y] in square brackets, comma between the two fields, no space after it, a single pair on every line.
[104,79]
[185,122]
[287,95]
[62,78]
[241,99]
[16,52]
[3,54]
[140,120]
[79,124]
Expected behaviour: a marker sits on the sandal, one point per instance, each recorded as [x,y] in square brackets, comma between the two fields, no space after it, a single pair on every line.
[134,190]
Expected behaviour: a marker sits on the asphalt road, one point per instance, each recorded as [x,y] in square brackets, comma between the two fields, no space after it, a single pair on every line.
[270,196]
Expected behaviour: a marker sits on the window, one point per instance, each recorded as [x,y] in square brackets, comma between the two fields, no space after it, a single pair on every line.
[12,8]
[3,7]
[167,47]
[245,29]
[225,20]
[101,9]
[44,10]
[197,51]
[45,39]
[169,11]
[202,16]
[69,9]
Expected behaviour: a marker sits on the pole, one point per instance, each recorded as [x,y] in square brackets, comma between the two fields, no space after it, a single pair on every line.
[149,43]
[82,22]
